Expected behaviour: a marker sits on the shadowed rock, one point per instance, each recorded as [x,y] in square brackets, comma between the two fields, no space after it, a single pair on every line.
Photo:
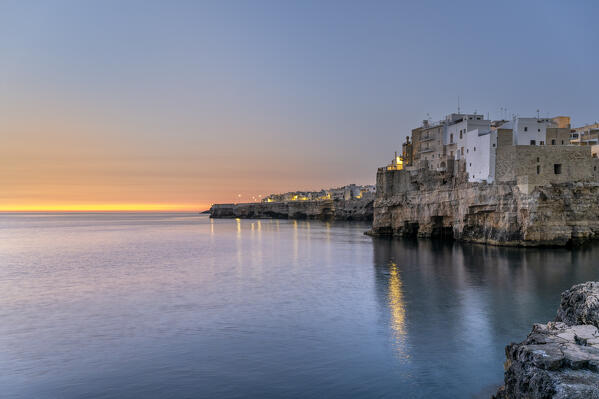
[580,305]
[559,359]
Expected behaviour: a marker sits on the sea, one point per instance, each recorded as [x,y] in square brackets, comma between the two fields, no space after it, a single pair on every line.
[175,305]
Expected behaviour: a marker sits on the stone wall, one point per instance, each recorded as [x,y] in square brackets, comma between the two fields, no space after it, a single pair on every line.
[531,166]
[557,136]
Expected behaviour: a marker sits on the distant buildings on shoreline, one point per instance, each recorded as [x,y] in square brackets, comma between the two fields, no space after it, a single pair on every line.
[349,192]
[532,151]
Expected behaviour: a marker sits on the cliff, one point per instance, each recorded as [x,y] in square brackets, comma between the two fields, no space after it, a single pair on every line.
[559,359]
[354,209]
[428,203]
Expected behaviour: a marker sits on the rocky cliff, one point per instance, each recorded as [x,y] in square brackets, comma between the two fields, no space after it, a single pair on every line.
[427,203]
[559,359]
[354,209]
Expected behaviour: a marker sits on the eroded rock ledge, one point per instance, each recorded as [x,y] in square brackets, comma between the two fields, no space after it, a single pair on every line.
[559,359]
[427,203]
[354,209]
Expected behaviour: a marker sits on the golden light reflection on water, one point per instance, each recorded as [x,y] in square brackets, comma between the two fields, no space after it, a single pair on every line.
[239,245]
[397,307]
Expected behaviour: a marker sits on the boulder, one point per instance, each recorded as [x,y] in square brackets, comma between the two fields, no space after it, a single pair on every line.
[580,305]
[559,359]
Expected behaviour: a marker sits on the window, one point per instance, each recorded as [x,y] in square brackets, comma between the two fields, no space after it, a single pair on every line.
[538,159]
[493,145]
[562,142]
[541,143]
[470,164]
[553,142]
[467,150]
[538,169]
[451,154]
[462,150]
[533,142]
[460,134]
[538,130]
[526,128]
[451,138]
[474,148]
[557,168]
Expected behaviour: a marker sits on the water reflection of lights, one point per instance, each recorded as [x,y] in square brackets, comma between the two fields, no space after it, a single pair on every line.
[239,244]
[397,306]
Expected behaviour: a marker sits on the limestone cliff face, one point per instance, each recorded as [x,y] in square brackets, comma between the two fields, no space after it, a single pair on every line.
[426,203]
[355,209]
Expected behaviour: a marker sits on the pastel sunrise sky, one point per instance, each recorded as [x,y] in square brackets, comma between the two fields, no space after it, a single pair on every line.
[139,105]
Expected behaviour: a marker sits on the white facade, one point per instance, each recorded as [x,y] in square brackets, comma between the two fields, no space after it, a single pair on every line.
[459,132]
[529,131]
[480,155]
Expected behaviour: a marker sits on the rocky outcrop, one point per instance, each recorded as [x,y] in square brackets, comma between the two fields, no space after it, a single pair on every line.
[354,209]
[427,203]
[580,305]
[559,359]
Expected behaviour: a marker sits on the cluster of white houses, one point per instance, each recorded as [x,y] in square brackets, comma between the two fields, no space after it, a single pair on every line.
[349,192]
[531,151]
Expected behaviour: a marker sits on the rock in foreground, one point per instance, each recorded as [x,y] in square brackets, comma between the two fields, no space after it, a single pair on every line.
[559,359]
[580,305]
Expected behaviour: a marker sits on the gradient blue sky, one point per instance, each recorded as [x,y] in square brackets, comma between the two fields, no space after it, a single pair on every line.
[193,102]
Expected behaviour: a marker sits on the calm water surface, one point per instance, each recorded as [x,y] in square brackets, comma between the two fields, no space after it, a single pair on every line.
[181,306]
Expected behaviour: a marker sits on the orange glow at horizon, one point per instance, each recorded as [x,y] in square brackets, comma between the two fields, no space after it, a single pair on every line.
[102,208]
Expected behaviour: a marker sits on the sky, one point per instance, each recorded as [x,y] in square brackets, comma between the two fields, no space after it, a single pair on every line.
[175,105]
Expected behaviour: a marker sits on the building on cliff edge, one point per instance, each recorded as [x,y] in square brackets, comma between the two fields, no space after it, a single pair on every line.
[528,151]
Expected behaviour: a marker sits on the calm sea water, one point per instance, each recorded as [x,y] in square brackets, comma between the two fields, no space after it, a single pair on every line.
[181,306]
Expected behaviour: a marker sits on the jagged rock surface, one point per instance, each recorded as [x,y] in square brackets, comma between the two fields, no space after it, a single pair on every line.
[355,209]
[558,359]
[580,305]
[427,203]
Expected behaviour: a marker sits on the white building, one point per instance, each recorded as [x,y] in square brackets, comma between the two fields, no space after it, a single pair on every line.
[480,155]
[457,132]
[529,131]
